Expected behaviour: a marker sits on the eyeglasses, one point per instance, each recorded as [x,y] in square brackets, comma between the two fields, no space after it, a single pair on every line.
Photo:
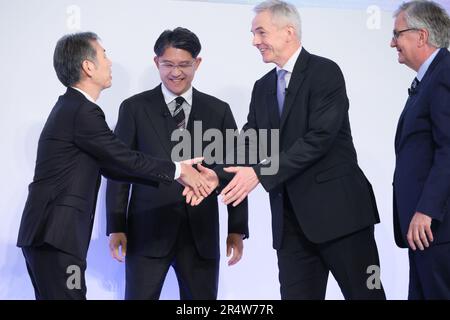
[184,66]
[396,34]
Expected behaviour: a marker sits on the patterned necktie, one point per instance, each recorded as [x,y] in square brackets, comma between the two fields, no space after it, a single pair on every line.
[178,115]
[413,89]
[281,89]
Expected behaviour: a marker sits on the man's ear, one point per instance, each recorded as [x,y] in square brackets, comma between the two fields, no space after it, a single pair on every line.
[155,59]
[423,37]
[88,68]
[198,61]
[291,33]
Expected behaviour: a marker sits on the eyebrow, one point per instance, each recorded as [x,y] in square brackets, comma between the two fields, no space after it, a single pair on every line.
[257,29]
[184,61]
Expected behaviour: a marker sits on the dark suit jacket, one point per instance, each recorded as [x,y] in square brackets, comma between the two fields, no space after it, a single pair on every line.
[75,147]
[318,168]
[145,124]
[422,147]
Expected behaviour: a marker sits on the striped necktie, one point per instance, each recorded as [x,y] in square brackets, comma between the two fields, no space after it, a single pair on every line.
[178,115]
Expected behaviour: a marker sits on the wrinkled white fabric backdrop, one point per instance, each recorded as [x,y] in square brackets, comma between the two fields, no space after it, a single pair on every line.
[356,36]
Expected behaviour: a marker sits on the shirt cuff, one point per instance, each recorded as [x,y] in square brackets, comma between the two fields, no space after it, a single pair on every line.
[177,170]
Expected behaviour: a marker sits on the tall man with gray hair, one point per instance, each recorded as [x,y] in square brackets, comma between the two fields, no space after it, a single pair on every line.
[422,147]
[323,207]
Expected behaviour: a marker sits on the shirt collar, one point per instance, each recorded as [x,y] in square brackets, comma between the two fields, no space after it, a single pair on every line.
[424,67]
[84,94]
[170,96]
[290,64]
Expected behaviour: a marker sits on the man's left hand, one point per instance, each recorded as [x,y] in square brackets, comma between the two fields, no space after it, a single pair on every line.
[235,244]
[244,181]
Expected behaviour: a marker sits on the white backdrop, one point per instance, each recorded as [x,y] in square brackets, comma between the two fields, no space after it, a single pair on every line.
[356,37]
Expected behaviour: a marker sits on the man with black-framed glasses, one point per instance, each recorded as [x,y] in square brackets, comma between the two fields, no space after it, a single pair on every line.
[156,227]
[422,147]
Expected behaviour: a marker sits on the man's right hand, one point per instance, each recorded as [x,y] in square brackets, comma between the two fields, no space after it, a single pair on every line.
[212,179]
[190,177]
[117,240]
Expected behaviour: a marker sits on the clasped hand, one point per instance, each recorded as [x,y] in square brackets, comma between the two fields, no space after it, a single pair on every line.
[198,183]
[244,181]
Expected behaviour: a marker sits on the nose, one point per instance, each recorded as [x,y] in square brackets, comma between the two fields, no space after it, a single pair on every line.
[176,71]
[393,43]
[256,41]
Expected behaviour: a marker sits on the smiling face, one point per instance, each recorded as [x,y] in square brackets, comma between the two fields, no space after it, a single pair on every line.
[407,43]
[177,69]
[275,42]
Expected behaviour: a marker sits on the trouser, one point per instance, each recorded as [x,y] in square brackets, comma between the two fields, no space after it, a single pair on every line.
[304,266]
[56,275]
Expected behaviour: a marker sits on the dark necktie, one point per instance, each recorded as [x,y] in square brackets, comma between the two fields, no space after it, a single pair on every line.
[413,89]
[178,115]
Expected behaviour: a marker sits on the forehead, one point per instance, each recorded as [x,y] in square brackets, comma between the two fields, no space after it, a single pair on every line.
[262,20]
[97,46]
[400,20]
[172,53]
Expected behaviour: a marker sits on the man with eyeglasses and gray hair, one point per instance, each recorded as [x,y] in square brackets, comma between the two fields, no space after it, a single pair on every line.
[422,147]
[323,207]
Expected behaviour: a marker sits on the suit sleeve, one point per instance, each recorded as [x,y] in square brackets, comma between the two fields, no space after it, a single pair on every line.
[436,191]
[93,136]
[328,106]
[237,216]
[240,147]
[117,193]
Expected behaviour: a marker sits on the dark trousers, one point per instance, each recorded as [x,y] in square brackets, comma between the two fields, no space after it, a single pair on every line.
[429,273]
[304,266]
[197,277]
[56,275]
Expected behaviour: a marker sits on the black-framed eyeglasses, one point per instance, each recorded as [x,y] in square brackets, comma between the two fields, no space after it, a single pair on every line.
[396,34]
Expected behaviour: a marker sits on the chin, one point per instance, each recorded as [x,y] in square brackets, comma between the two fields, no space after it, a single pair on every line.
[267,59]
[177,90]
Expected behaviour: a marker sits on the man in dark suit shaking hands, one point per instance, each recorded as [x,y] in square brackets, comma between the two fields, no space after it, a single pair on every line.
[75,148]
[422,148]
[154,225]
[323,207]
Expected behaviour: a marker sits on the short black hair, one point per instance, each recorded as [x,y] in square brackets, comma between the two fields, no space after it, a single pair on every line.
[180,38]
[70,52]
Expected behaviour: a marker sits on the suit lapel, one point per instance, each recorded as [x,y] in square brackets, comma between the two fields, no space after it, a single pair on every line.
[160,118]
[400,124]
[272,103]
[194,114]
[199,112]
[297,78]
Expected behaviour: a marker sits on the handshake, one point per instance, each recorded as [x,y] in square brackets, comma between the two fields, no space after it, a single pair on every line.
[199,183]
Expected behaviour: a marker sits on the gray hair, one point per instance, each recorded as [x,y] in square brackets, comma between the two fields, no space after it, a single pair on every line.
[70,52]
[428,15]
[282,12]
